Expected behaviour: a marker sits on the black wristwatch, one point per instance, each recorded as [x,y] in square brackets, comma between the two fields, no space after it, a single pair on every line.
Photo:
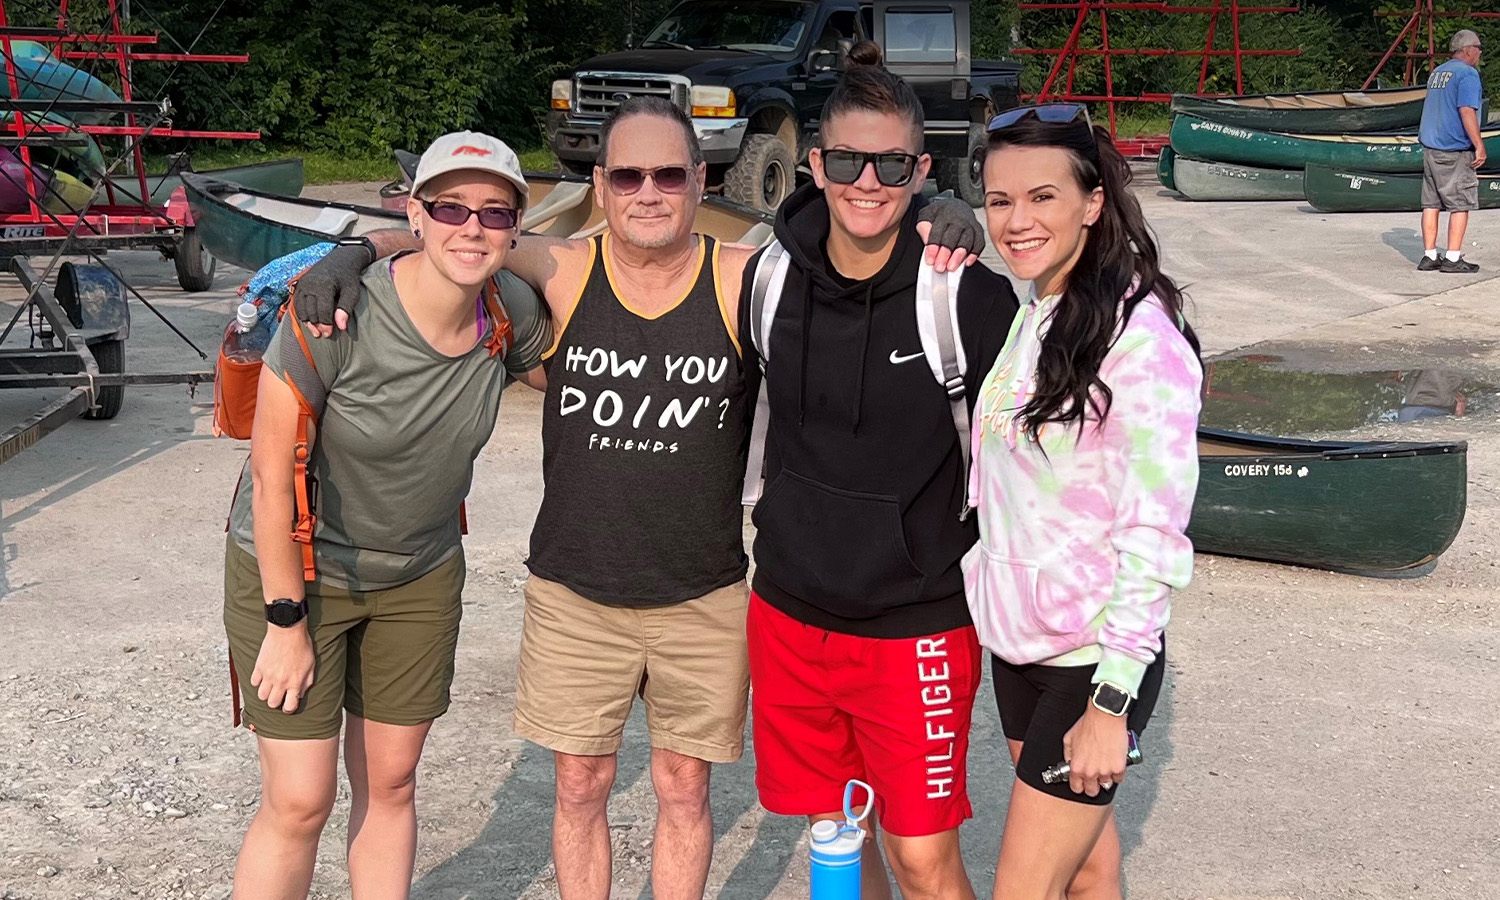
[364,242]
[1109,698]
[286,612]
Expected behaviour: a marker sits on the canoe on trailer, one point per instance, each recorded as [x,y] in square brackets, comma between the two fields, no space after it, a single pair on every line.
[278,176]
[1201,139]
[73,151]
[1200,180]
[1346,190]
[249,228]
[1322,112]
[1164,161]
[1382,509]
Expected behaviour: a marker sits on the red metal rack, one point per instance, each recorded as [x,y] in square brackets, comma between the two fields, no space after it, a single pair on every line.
[1422,17]
[1073,50]
[115,216]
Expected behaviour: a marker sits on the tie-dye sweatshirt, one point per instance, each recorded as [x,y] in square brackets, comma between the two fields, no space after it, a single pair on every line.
[1081,537]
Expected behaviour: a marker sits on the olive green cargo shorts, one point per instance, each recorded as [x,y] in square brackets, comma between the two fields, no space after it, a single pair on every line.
[385,655]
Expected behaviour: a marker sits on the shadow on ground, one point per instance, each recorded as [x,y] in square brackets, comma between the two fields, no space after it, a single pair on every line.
[511,856]
[1406,241]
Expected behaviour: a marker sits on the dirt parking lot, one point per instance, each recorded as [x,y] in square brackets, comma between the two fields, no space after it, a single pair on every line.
[1319,736]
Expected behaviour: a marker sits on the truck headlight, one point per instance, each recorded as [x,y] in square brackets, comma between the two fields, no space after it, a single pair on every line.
[562,94]
[712,101]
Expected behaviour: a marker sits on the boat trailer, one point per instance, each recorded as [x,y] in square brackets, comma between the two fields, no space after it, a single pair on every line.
[77,342]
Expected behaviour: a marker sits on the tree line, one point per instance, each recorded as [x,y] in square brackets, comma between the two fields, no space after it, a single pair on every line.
[358,77]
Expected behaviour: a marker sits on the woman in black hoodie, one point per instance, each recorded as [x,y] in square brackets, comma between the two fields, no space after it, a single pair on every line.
[864,661]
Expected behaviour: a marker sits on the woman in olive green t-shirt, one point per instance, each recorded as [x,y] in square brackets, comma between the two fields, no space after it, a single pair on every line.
[413,393]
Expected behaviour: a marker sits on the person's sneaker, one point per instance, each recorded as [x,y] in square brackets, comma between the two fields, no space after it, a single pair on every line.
[1428,264]
[1458,267]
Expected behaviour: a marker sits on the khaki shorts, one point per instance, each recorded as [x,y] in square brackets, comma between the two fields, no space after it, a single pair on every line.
[1449,180]
[386,655]
[583,663]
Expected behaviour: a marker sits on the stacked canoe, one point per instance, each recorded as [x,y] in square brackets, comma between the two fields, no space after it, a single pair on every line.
[67,173]
[1277,147]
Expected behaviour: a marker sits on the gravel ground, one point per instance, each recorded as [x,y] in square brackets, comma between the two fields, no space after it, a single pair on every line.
[1320,735]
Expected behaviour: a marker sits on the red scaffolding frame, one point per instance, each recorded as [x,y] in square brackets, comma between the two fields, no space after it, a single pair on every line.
[1423,14]
[1072,51]
[115,216]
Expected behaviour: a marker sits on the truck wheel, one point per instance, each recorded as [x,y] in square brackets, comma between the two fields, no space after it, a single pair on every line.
[195,268]
[110,357]
[764,174]
[965,177]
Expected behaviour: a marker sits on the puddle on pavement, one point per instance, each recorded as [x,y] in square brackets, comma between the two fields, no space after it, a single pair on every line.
[1251,394]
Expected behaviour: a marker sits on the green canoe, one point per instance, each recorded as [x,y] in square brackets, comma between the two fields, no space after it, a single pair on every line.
[1201,139]
[278,176]
[1346,190]
[1377,509]
[1200,180]
[249,228]
[75,152]
[1325,112]
[1164,161]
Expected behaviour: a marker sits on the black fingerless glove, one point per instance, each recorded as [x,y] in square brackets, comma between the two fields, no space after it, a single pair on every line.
[953,224]
[331,284]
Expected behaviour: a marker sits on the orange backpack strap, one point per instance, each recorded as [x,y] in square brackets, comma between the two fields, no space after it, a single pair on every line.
[502,337]
[312,397]
[234,691]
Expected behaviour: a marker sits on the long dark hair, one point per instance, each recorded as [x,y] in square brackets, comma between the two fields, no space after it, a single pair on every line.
[1119,267]
[866,85]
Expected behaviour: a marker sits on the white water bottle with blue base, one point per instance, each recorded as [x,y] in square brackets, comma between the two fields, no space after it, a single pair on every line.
[837,847]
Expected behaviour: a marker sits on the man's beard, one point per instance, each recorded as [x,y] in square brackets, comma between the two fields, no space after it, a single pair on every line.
[653,240]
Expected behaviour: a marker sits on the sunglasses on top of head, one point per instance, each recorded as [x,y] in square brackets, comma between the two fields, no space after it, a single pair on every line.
[626,180]
[495,218]
[1051,113]
[891,169]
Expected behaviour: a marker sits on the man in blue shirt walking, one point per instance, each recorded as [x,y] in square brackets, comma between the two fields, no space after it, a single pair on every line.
[1452,153]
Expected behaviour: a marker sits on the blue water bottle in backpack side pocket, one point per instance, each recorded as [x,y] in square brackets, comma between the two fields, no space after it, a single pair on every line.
[836,849]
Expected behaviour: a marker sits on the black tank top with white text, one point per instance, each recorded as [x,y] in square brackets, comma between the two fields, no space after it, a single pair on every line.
[643,445]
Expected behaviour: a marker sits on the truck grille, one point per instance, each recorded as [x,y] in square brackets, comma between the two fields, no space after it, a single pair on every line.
[598,93]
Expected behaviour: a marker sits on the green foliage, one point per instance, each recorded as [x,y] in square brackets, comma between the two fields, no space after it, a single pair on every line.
[353,78]
[990,24]
[1336,37]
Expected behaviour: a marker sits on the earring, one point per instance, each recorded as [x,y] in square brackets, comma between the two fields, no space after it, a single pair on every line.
[512,243]
[416,233]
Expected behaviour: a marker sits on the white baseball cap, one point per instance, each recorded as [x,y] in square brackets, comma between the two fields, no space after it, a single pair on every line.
[471,151]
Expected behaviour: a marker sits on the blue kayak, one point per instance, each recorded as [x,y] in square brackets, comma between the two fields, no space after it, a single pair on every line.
[41,76]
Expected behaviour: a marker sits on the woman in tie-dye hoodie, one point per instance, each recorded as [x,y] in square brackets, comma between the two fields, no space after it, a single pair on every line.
[1085,466]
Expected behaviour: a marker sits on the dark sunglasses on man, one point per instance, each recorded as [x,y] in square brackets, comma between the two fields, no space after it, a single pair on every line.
[891,169]
[1051,113]
[495,218]
[626,180]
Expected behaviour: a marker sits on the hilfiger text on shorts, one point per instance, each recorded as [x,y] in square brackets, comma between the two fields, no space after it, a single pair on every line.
[939,721]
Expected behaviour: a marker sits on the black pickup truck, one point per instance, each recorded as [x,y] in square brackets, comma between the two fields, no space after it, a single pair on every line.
[753,75]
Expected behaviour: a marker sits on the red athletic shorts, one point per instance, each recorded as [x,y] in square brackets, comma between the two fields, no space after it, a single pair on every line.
[828,707]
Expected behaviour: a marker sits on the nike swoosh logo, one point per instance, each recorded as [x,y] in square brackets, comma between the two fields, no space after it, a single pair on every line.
[897,360]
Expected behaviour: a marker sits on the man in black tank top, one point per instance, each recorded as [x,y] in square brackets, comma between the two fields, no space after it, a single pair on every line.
[637,558]
[637,555]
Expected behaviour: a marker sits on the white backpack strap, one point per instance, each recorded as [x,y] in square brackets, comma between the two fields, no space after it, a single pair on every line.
[765,296]
[937,323]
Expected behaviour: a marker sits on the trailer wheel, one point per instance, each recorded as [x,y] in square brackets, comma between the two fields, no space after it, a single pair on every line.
[110,357]
[195,267]
[965,177]
[764,174]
